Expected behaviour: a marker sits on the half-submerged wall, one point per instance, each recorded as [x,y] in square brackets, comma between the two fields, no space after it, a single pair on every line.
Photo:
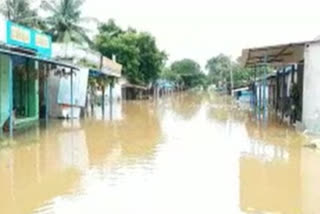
[311,88]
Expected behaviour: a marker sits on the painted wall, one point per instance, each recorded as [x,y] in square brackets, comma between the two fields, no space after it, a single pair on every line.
[4,89]
[311,88]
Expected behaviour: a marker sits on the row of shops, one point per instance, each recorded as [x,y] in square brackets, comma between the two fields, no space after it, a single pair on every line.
[292,89]
[40,79]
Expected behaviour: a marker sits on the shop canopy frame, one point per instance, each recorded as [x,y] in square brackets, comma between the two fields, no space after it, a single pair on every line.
[276,55]
[29,54]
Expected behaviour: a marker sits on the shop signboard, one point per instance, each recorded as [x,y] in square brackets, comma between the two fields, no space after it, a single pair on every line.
[18,35]
[110,67]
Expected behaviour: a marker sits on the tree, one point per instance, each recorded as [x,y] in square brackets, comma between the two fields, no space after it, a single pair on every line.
[189,72]
[137,51]
[219,69]
[64,21]
[20,12]
[151,58]
[168,74]
[221,66]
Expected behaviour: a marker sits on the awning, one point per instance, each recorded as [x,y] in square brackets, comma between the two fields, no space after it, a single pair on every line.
[12,52]
[128,85]
[277,55]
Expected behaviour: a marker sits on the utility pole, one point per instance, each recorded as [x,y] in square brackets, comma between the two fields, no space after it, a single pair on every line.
[231,78]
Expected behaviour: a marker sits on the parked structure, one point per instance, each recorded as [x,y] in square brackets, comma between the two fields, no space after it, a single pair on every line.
[293,89]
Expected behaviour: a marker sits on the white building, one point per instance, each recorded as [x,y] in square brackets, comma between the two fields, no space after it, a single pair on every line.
[89,63]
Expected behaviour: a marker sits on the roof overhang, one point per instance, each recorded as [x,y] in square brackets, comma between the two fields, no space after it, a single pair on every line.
[13,52]
[129,85]
[277,55]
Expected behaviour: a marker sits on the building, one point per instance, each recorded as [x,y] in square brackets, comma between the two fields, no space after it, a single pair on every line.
[24,66]
[294,87]
[96,82]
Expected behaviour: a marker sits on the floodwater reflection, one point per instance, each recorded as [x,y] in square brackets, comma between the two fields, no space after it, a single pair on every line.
[185,153]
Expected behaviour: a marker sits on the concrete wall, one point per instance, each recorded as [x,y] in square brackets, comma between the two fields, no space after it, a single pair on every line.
[311,88]
[116,91]
[53,89]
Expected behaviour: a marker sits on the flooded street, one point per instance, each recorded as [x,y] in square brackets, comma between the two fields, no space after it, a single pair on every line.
[188,153]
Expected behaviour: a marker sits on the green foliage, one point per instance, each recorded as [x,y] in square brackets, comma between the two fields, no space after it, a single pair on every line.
[187,72]
[136,51]
[151,59]
[84,62]
[168,74]
[99,82]
[219,69]
[20,12]
[64,21]
[221,66]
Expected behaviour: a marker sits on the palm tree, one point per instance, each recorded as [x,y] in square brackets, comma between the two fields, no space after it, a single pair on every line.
[20,12]
[65,20]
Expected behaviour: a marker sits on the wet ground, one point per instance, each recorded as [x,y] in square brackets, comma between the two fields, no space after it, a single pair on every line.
[188,153]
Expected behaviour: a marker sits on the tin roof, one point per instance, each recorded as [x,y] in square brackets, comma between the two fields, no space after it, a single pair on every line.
[276,55]
[14,52]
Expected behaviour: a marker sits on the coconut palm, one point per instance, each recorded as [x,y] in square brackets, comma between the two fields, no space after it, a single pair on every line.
[19,11]
[64,21]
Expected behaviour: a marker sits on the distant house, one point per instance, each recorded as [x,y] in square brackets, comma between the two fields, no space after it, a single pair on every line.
[243,94]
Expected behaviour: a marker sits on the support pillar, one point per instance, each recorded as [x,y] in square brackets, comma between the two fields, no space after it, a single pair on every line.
[111,96]
[103,100]
[46,93]
[265,86]
[10,97]
[71,93]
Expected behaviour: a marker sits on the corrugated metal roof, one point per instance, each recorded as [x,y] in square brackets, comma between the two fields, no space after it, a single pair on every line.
[12,52]
[276,55]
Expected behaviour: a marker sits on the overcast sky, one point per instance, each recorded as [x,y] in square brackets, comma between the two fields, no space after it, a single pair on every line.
[200,29]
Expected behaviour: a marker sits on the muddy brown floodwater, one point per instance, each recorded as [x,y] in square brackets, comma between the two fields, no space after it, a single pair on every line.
[188,153]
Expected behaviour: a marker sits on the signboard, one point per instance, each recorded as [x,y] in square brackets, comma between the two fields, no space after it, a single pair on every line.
[110,67]
[21,36]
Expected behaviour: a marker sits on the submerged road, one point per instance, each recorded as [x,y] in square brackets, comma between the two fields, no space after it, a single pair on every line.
[188,153]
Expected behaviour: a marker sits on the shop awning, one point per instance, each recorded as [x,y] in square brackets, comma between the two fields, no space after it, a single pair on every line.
[129,85]
[277,55]
[14,52]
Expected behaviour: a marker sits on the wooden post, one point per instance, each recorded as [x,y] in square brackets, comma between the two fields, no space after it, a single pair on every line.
[111,96]
[46,94]
[103,100]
